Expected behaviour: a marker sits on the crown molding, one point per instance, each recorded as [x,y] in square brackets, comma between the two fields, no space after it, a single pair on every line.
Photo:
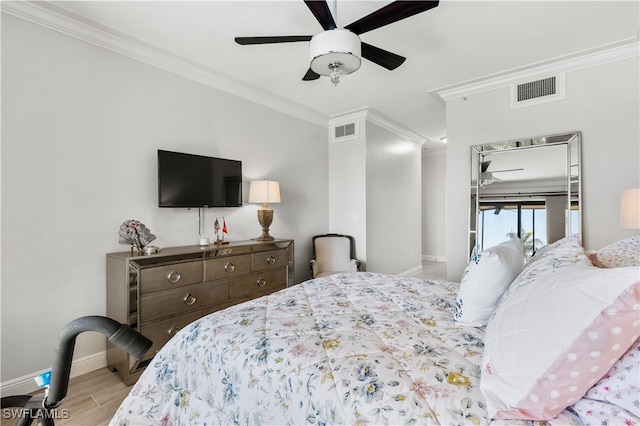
[618,51]
[345,117]
[383,121]
[373,116]
[56,18]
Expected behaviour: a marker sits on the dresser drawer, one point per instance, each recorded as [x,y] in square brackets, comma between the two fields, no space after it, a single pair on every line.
[171,302]
[161,331]
[170,276]
[226,267]
[211,309]
[258,283]
[270,260]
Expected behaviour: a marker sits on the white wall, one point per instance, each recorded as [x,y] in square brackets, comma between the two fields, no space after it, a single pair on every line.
[601,101]
[433,205]
[348,187]
[375,192]
[394,202]
[80,130]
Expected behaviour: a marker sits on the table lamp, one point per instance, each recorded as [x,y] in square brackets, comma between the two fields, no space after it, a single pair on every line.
[264,192]
[630,209]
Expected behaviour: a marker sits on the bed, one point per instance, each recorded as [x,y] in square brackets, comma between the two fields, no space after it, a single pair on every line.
[367,348]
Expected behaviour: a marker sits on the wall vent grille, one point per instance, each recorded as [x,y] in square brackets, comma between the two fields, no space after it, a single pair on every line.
[536,89]
[344,130]
[541,90]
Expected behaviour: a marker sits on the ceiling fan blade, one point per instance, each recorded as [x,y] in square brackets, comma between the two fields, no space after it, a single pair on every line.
[382,57]
[508,170]
[389,14]
[320,10]
[310,75]
[270,39]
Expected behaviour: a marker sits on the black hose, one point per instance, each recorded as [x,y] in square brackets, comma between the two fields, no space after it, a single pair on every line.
[14,401]
[120,335]
[32,409]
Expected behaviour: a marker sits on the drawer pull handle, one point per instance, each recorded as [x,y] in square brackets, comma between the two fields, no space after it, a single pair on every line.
[173,330]
[229,267]
[261,282]
[271,260]
[189,299]
[173,277]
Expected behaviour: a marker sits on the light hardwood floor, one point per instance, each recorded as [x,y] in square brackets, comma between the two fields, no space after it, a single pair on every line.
[93,398]
[433,270]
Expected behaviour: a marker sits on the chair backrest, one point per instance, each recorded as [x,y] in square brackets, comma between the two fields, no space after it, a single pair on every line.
[333,252]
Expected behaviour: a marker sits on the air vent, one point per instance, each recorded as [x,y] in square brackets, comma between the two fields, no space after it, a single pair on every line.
[533,92]
[536,89]
[344,130]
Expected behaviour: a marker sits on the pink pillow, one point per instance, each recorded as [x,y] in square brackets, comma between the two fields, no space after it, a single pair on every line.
[554,335]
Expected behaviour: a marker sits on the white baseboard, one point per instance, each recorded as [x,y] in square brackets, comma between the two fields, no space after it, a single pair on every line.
[431,258]
[411,272]
[25,384]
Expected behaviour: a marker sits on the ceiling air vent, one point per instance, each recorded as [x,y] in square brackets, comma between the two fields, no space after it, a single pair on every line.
[535,89]
[345,131]
[538,91]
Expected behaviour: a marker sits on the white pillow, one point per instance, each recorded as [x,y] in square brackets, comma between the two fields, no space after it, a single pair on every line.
[555,334]
[566,251]
[486,278]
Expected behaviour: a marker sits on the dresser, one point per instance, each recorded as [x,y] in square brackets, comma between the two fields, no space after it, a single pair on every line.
[159,294]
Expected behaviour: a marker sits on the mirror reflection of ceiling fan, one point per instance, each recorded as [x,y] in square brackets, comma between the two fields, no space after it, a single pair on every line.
[337,51]
[487,177]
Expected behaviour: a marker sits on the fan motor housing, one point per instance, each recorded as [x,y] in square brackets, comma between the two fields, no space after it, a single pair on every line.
[333,46]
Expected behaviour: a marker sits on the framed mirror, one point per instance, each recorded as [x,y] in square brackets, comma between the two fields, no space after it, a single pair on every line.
[528,188]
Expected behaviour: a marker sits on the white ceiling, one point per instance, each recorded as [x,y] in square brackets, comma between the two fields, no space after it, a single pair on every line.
[456,42]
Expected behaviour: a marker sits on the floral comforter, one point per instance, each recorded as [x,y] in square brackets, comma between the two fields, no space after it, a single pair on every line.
[358,348]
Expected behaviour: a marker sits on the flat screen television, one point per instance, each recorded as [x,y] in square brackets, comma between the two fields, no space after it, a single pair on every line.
[189,180]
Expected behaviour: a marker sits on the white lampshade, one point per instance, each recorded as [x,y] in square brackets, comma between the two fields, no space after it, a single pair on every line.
[335,46]
[630,209]
[264,191]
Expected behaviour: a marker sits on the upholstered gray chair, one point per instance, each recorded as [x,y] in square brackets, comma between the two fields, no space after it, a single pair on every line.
[332,254]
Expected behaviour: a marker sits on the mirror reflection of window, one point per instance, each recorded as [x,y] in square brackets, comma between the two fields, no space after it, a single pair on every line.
[575,218]
[500,222]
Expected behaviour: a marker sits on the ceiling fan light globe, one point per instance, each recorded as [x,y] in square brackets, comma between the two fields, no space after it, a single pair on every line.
[336,75]
[335,46]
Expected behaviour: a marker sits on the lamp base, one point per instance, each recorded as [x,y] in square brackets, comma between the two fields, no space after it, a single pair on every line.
[265,217]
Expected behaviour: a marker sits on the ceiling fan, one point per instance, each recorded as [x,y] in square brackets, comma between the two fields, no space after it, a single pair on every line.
[335,52]
[487,177]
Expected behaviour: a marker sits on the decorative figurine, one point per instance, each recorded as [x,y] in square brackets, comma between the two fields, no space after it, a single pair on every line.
[135,234]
